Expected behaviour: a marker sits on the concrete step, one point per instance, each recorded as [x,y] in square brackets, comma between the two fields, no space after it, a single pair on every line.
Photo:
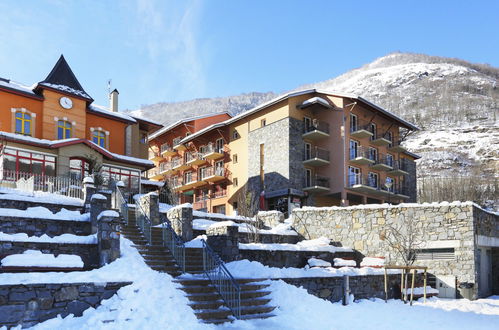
[189,281]
[210,314]
[255,310]
[215,296]
[256,316]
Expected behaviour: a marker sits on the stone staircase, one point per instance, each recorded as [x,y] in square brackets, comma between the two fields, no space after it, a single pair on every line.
[206,302]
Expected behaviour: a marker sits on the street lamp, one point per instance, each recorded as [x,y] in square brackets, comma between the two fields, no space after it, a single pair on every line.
[388,185]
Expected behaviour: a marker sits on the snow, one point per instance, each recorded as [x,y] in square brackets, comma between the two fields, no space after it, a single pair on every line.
[314,262]
[316,99]
[319,244]
[88,179]
[63,239]
[108,213]
[372,262]
[40,212]
[145,304]
[163,207]
[18,86]
[201,214]
[254,269]
[38,197]
[98,196]
[66,89]
[281,229]
[136,160]
[33,258]
[218,224]
[420,290]
[196,242]
[152,183]
[340,262]
[106,111]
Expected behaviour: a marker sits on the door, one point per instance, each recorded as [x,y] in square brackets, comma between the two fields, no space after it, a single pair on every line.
[446,286]
[485,275]
[308,151]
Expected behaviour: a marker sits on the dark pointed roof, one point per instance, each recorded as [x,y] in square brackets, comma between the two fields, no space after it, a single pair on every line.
[63,79]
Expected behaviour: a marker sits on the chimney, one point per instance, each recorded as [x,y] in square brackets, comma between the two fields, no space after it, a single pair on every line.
[113,106]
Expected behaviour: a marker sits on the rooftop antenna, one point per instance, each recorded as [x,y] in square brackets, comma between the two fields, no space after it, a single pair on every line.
[109,88]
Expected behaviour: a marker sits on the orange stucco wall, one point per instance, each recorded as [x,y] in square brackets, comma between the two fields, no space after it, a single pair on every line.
[115,128]
[9,100]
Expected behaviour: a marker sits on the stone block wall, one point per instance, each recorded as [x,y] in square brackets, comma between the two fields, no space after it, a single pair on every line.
[270,218]
[38,227]
[224,242]
[29,304]
[362,287]
[296,259]
[180,218]
[445,225]
[23,205]
[89,253]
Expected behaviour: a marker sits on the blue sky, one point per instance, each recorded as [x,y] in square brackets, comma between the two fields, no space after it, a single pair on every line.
[164,51]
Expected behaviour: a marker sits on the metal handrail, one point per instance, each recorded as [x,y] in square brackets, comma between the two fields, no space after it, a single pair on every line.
[122,204]
[175,244]
[221,278]
[143,222]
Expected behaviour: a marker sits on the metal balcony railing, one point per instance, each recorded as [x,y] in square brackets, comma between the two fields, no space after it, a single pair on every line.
[192,156]
[382,159]
[165,147]
[318,153]
[207,172]
[222,280]
[317,181]
[317,126]
[31,182]
[361,152]
[360,125]
[190,177]
[210,148]
[176,162]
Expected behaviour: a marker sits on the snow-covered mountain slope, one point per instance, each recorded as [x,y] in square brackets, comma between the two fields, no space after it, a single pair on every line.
[456,104]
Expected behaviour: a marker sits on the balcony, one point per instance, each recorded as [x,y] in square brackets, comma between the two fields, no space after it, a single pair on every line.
[191,181]
[177,145]
[316,184]
[316,157]
[400,167]
[383,163]
[167,150]
[213,174]
[154,156]
[154,174]
[361,156]
[178,164]
[213,152]
[360,131]
[316,131]
[396,147]
[380,140]
[194,159]
[371,186]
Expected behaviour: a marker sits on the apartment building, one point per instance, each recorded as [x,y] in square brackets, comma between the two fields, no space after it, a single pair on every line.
[309,147]
[53,128]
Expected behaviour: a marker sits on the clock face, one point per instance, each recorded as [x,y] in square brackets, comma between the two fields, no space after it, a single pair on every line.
[66,102]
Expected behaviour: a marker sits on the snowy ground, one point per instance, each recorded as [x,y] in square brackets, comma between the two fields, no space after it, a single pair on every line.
[153,301]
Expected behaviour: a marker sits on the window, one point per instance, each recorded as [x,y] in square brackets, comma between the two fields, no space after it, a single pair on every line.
[23,123]
[234,158]
[263,122]
[26,162]
[130,177]
[188,177]
[353,176]
[220,209]
[436,254]
[143,138]
[63,129]
[354,148]
[99,138]
[389,137]
[372,129]
[308,178]
[219,146]
[373,154]
[307,122]
[79,168]
[308,151]
[203,172]
[389,182]
[389,160]
[234,182]
[202,150]
[372,179]
[219,168]
[353,122]
[235,135]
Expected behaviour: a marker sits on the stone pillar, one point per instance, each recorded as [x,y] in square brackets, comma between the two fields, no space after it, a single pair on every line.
[181,220]
[224,240]
[97,205]
[270,218]
[108,195]
[150,204]
[88,191]
[108,237]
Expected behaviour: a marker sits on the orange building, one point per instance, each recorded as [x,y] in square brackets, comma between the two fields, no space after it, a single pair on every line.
[308,147]
[53,129]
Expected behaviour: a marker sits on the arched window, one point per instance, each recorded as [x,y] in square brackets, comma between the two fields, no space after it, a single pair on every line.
[99,138]
[23,123]
[63,129]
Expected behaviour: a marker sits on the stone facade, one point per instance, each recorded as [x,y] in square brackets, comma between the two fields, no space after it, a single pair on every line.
[180,218]
[88,252]
[224,241]
[296,259]
[444,226]
[108,238]
[270,218]
[39,227]
[23,205]
[29,304]
[149,203]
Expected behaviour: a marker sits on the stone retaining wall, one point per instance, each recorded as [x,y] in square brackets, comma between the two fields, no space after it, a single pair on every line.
[88,252]
[29,304]
[23,205]
[38,227]
[296,259]
[362,287]
[261,238]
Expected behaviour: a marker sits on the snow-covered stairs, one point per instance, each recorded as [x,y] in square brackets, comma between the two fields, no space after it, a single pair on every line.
[209,307]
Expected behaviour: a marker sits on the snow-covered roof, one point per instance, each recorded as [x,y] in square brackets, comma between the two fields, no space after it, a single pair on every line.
[152,183]
[315,100]
[181,121]
[17,86]
[105,111]
[67,89]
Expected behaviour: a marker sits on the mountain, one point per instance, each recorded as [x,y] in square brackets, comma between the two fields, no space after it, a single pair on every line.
[454,102]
